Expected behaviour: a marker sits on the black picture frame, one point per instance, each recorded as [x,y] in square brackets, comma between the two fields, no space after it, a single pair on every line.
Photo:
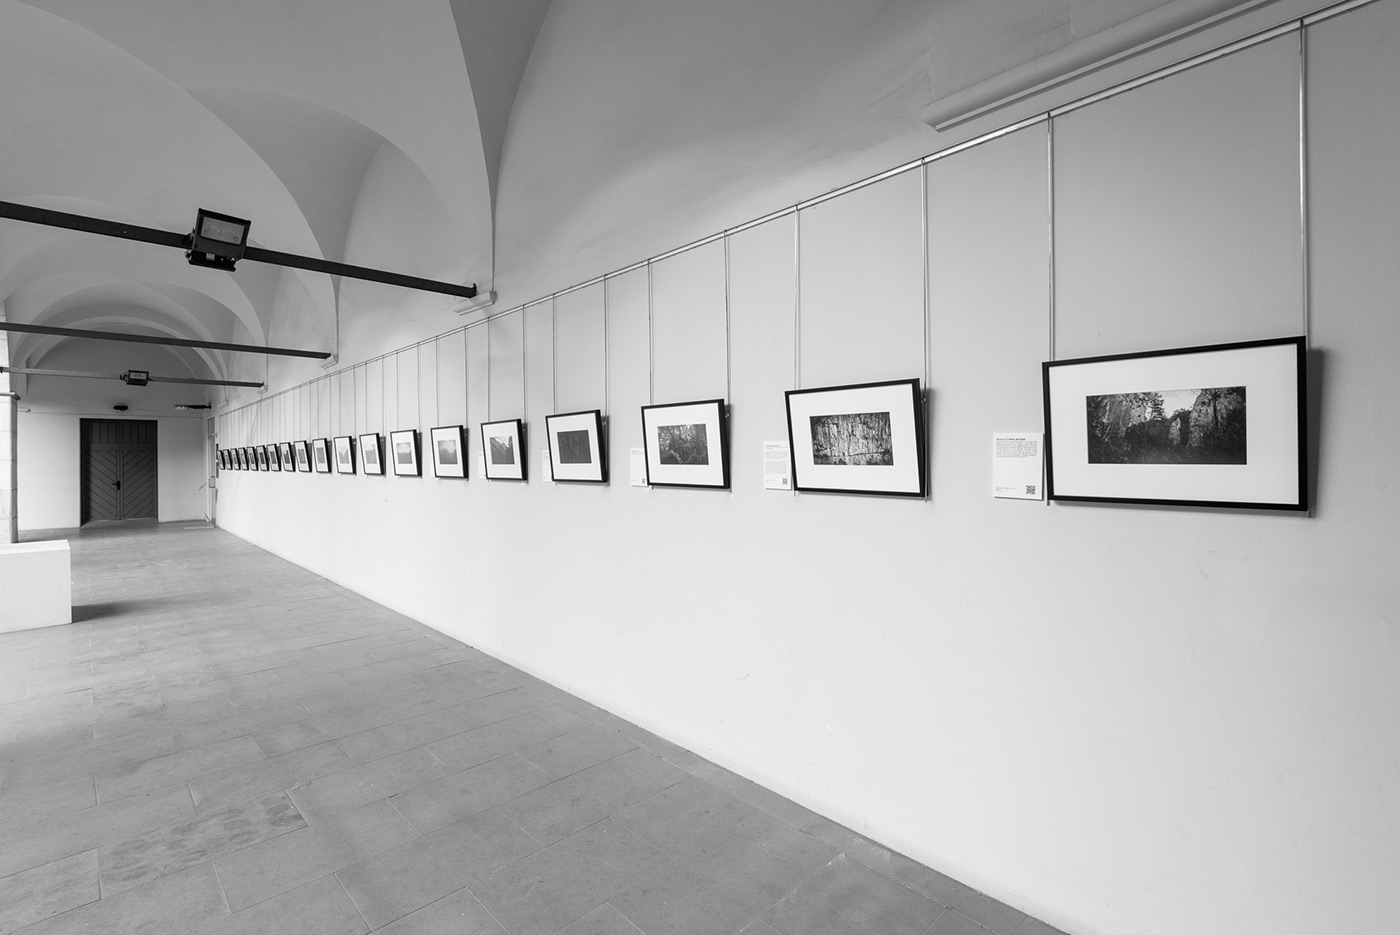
[264,463]
[284,456]
[687,444]
[242,458]
[301,450]
[1216,425]
[372,454]
[578,451]
[343,447]
[403,449]
[503,450]
[447,446]
[859,438]
[321,455]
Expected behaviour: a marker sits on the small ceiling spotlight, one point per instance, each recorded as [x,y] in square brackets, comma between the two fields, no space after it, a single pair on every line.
[136,377]
[217,241]
[186,407]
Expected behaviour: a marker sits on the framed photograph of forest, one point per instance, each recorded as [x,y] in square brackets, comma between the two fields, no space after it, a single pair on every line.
[687,444]
[1220,425]
[321,455]
[576,450]
[503,449]
[284,456]
[301,451]
[862,438]
[344,448]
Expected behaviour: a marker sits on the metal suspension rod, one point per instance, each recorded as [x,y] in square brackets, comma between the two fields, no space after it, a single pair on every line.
[116,376]
[79,222]
[150,380]
[157,339]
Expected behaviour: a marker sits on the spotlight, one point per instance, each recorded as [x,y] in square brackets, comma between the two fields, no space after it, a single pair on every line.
[217,241]
[136,377]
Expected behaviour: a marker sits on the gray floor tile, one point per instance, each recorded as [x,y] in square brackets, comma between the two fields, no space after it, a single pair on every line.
[718,890]
[262,777]
[308,733]
[259,872]
[1033,926]
[652,767]
[36,894]
[578,750]
[676,818]
[321,907]
[955,923]
[461,795]
[605,920]
[474,747]
[47,840]
[805,851]
[361,785]
[59,797]
[461,913]
[413,875]
[163,851]
[542,893]
[848,898]
[566,805]
[167,906]
[161,771]
[87,760]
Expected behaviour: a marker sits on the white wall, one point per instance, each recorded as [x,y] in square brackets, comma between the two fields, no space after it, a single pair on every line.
[50,469]
[1122,720]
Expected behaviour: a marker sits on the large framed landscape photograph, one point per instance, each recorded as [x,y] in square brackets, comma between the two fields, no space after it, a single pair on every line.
[449,451]
[1219,425]
[862,438]
[687,444]
[372,453]
[576,451]
[503,449]
[403,453]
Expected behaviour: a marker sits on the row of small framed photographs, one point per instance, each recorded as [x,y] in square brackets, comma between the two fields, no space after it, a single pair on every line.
[865,438]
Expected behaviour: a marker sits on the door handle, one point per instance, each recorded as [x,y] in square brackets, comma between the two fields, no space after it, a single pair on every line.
[117,484]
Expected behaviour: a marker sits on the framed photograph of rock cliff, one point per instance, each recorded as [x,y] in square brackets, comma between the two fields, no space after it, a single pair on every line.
[503,449]
[862,438]
[686,444]
[1221,425]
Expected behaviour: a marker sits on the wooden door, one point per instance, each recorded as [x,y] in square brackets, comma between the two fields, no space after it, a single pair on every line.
[119,470]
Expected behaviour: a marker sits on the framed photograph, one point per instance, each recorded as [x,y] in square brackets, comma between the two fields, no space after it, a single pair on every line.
[263,463]
[403,453]
[302,451]
[448,449]
[687,444]
[242,454]
[862,438]
[503,449]
[344,447]
[1219,425]
[576,452]
[284,455]
[274,460]
[372,453]
[321,455]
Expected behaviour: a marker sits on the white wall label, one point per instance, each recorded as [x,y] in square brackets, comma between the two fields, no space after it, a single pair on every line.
[1018,465]
[777,466]
[546,474]
[639,467]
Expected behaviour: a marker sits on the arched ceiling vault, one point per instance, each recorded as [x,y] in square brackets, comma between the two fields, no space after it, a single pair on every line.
[143,111]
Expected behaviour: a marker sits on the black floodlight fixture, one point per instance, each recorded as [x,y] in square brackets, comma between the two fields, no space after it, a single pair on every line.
[136,377]
[218,240]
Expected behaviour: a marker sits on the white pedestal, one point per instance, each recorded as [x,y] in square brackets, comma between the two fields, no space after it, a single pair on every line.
[36,585]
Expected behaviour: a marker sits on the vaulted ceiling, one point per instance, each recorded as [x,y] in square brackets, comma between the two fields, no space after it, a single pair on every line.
[144,111]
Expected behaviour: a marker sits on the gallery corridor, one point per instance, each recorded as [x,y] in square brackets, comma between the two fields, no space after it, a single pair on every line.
[223,742]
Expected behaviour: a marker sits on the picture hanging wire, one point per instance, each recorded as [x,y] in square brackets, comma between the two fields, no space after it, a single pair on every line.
[607,349]
[1050,230]
[1304,226]
[554,353]
[728,336]
[651,342]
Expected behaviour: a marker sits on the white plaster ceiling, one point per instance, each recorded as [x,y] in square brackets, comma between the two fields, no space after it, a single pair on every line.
[144,111]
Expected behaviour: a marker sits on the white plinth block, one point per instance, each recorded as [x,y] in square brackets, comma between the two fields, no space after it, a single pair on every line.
[36,585]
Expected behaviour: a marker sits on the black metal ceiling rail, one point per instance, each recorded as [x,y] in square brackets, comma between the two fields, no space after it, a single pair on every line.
[79,222]
[117,376]
[157,339]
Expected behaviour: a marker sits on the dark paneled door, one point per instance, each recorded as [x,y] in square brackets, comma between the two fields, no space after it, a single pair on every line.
[119,469]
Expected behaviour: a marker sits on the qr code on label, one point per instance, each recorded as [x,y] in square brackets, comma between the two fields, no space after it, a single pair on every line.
[1030,490]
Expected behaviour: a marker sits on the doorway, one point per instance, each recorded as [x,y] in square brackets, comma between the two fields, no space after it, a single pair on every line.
[118,470]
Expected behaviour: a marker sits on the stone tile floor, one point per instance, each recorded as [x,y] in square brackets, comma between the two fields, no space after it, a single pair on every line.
[224,742]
